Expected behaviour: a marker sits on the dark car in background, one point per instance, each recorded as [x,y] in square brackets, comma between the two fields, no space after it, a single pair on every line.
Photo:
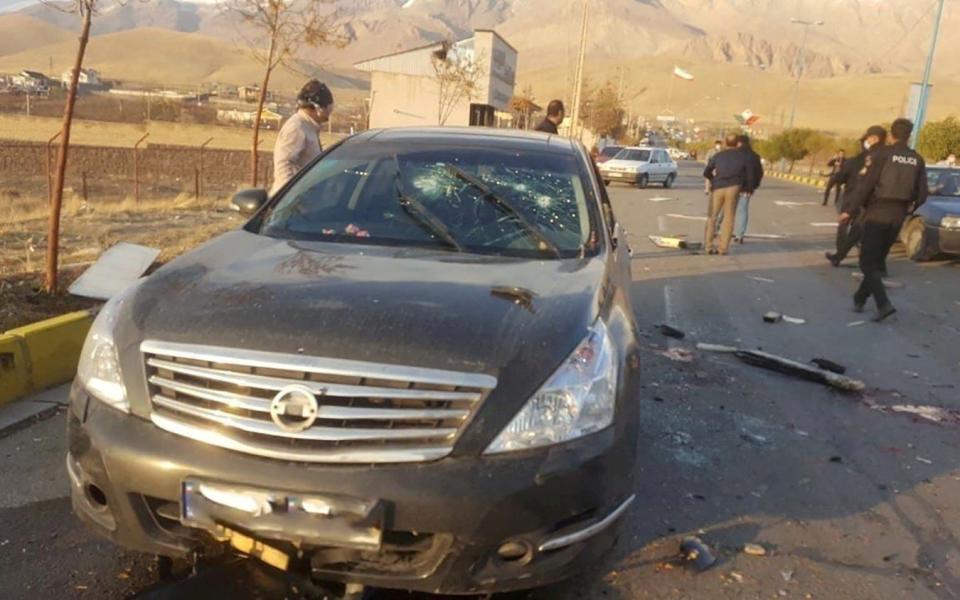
[415,367]
[934,228]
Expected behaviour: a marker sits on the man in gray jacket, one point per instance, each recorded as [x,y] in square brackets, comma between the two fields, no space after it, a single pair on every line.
[298,142]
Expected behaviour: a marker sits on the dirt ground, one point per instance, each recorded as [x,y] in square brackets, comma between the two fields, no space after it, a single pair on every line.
[174,225]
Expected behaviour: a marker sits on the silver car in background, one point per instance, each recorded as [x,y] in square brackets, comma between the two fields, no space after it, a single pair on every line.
[640,165]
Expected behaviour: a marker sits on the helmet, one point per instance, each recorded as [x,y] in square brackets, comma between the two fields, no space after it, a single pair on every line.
[315,94]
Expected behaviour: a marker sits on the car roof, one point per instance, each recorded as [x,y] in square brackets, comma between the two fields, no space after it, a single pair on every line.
[475,136]
[642,148]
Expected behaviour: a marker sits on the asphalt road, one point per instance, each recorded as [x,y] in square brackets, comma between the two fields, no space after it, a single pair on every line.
[848,498]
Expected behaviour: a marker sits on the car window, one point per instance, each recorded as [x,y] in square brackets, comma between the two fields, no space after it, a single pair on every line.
[944,182]
[634,155]
[353,195]
[611,151]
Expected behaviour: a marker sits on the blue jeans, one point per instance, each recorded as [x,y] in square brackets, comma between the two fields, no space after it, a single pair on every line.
[743,216]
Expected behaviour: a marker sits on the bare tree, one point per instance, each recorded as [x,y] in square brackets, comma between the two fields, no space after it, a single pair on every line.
[284,27]
[457,74]
[85,9]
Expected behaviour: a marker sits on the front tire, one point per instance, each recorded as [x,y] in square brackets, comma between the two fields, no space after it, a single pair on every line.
[643,181]
[915,241]
[668,182]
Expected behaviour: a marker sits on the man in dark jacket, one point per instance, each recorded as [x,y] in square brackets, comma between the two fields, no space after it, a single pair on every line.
[755,171]
[894,184]
[728,174]
[836,167]
[555,115]
[854,169]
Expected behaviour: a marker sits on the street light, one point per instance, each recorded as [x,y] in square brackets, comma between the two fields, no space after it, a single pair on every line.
[800,63]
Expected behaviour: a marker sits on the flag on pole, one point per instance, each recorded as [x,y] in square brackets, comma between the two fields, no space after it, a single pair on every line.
[685,75]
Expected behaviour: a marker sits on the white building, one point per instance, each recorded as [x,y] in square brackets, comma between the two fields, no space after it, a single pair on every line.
[88,77]
[405,89]
[30,82]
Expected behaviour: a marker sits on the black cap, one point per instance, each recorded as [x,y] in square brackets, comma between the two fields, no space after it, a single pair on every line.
[315,94]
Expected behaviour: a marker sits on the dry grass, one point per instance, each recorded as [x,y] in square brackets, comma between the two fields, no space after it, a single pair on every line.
[100,133]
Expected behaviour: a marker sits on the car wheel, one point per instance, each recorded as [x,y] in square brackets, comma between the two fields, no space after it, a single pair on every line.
[915,240]
[668,182]
[643,181]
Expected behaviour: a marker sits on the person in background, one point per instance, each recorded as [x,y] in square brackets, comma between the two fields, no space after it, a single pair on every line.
[894,185]
[555,115]
[836,166]
[717,147]
[728,173]
[949,161]
[755,168]
[298,141]
[849,232]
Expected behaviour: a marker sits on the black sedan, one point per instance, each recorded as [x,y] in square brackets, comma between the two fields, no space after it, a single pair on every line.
[415,367]
[934,228]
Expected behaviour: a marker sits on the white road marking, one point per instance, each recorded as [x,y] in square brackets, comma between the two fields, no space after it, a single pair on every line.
[828,224]
[662,223]
[766,236]
[668,312]
[762,279]
[690,217]
[793,204]
[661,199]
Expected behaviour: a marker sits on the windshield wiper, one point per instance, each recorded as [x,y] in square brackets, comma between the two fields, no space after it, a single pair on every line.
[505,207]
[422,215]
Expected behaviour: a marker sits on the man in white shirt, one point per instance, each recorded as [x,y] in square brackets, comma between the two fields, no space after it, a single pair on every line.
[298,142]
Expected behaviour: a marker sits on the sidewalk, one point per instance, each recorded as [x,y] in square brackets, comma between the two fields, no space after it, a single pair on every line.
[32,409]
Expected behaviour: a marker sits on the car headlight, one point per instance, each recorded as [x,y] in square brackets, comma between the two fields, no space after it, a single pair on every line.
[99,368]
[577,400]
[950,222]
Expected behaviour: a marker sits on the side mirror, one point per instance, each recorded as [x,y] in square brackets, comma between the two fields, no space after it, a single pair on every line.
[248,202]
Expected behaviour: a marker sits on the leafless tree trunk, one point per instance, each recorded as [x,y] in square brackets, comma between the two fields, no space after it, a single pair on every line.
[56,201]
[267,71]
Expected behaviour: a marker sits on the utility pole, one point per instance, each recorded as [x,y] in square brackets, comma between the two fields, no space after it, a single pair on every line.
[578,91]
[927,71]
[800,64]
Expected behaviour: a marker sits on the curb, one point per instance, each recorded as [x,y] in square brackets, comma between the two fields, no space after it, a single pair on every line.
[41,355]
[817,182]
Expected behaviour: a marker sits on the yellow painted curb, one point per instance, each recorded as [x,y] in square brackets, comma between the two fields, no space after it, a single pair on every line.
[41,355]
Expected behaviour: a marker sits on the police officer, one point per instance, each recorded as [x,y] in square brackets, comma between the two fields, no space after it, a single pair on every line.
[849,177]
[894,184]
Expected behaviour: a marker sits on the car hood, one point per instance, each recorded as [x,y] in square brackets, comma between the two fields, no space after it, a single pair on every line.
[942,205]
[404,306]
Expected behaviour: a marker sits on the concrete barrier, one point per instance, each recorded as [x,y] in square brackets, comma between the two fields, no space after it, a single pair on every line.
[41,355]
[818,182]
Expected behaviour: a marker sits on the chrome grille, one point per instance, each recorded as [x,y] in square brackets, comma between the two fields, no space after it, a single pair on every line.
[366,412]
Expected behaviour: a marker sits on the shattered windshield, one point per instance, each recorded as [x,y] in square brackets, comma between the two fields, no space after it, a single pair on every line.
[461,199]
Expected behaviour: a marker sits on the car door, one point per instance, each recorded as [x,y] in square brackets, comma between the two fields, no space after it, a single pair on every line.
[669,165]
[653,167]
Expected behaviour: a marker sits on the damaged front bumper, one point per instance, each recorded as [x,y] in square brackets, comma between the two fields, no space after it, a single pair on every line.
[457,525]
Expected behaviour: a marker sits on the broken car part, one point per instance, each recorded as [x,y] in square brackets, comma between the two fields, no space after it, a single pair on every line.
[671,332]
[692,549]
[779,364]
[117,268]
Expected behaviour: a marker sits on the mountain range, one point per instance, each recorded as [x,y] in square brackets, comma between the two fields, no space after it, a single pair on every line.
[750,41]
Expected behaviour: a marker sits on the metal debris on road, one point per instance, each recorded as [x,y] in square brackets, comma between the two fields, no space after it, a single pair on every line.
[716,348]
[856,324]
[935,414]
[772,362]
[693,550]
[675,242]
[754,550]
[672,332]
[761,279]
[829,365]
[925,461]
[772,317]
[794,320]
[678,354]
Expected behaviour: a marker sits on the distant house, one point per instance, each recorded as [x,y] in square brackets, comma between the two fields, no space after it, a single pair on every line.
[88,78]
[31,82]
[245,118]
[249,93]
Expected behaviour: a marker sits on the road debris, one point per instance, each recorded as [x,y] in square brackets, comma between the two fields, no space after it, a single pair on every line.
[836,459]
[856,324]
[716,348]
[671,332]
[118,267]
[772,362]
[761,279]
[787,575]
[662,198]
[792,204]
[753,438]
[826,224]
[829,365]
[772,317]
[935,414]
[675,242]
[766,236]
[736,576]
[693,550]
[754,550]
[794,320]
[678,354]
[925,461]
[912,374]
